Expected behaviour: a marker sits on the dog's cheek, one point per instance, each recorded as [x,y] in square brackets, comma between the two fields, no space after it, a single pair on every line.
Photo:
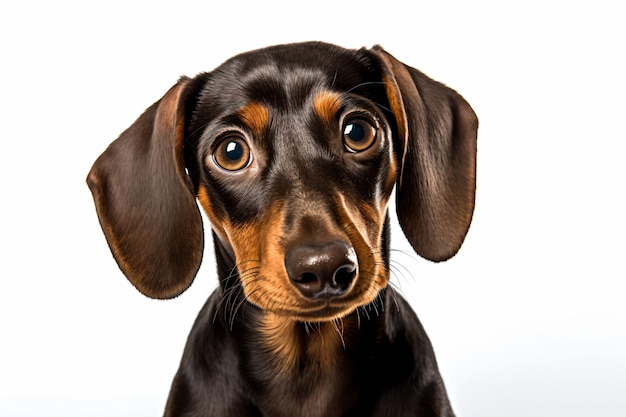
[368,220]
[260,260]
[388,181]
[373,219]
[218,224]
[364,224]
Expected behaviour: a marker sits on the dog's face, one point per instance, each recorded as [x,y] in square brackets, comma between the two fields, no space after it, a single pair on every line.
[293,152]
[294,167]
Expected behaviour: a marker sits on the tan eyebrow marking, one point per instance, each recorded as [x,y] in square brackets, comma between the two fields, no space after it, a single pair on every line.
[327,105]
[256,116]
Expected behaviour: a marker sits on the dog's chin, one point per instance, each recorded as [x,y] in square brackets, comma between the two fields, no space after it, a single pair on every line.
[319,311]
[323,315]
[318,314]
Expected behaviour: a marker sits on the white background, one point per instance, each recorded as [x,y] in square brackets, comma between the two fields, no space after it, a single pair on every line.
[529,319]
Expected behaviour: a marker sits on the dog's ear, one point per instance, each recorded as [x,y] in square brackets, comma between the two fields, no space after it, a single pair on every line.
[436,148]
[146,203]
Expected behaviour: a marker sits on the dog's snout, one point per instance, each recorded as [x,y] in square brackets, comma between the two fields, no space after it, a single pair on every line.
[322,270]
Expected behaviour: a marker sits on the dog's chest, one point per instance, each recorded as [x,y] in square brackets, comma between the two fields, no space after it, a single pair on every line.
[309,393]
[305,371]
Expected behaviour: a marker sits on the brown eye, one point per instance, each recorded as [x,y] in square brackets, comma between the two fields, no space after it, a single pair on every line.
[358,133]
[232,154]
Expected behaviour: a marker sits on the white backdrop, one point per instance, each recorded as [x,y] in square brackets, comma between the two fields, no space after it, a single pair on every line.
[528,319]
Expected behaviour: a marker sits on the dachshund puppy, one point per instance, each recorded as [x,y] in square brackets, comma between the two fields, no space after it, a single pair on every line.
[293,152]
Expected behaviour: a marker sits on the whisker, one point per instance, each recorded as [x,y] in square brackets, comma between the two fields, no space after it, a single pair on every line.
[395,300]
[235,310]
[363,84]
[335,324]
[367,314]
[404,252]
[233,297]
[230,301]
[358,318]
[398,270]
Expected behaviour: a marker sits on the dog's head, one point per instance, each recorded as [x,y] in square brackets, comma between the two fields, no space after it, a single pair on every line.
[293,152]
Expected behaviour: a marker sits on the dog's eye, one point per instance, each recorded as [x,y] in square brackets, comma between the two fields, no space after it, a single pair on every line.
[232,154]
[358,134]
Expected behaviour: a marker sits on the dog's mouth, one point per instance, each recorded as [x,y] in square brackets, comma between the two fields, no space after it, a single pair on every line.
[323,311]
[326,305]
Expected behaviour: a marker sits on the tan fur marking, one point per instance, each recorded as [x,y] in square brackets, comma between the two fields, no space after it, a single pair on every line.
[390,182]
[327,105]
[397,107]
[318,347]
[326,341]
[372,275]
[180,129]
[282,341]
[261,262]
[256,116]
[216,223]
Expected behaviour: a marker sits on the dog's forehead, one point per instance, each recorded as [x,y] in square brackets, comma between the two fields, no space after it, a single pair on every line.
[322,57]
[287,75]
[282,87]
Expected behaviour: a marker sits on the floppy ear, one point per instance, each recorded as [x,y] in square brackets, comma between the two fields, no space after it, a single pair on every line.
[146,203]
[436,185]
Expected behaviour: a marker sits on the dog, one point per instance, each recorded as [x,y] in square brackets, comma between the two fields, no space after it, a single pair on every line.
[293,152]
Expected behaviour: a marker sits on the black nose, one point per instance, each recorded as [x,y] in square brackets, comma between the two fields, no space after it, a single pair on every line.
[322,270]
